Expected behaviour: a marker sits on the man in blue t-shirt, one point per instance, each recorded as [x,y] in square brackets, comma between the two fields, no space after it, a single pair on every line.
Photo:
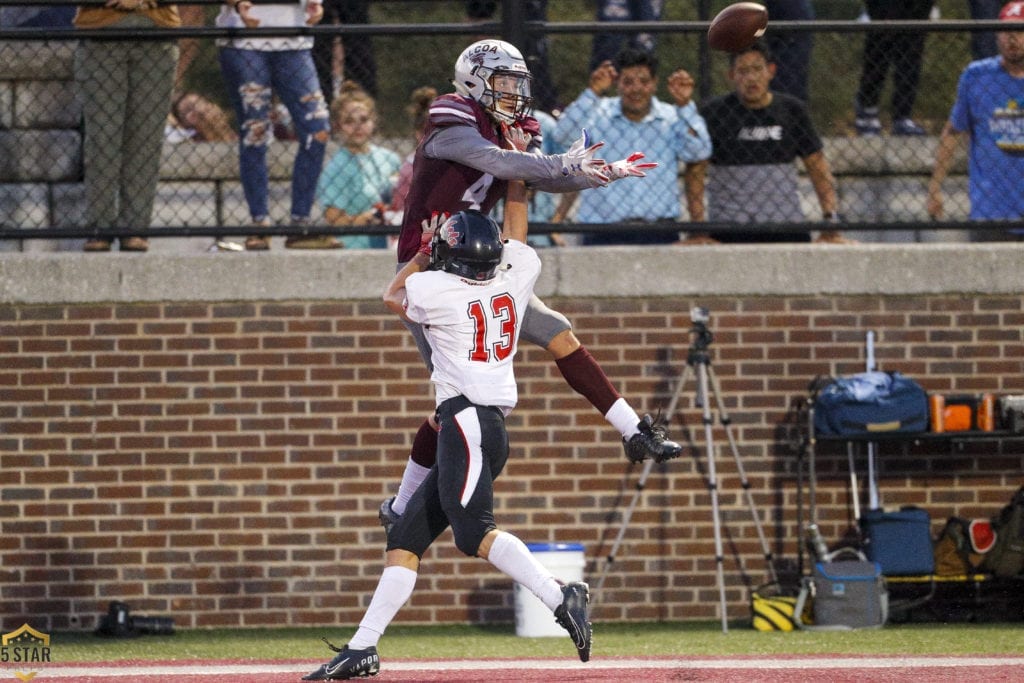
[989,112]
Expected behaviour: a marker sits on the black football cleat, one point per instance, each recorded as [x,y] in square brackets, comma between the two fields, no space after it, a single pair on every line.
[651,442]
[574,616]
[347,664]
[388,517]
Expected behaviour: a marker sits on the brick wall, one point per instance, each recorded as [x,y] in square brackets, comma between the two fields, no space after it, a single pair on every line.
[222,463]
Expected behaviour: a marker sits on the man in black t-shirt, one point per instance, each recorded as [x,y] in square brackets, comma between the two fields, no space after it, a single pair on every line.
[756,135]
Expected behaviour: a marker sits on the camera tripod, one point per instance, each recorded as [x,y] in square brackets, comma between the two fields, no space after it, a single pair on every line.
[698,361]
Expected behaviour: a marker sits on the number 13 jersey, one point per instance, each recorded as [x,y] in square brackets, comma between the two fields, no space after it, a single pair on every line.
[473,327]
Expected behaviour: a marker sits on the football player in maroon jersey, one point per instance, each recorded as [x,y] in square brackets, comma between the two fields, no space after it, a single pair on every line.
[477,139]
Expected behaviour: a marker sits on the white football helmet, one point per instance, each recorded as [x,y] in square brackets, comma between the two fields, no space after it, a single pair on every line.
[494,74]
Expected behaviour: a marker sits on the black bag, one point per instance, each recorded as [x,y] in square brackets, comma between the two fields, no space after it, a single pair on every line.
[870,402]
[1007,555]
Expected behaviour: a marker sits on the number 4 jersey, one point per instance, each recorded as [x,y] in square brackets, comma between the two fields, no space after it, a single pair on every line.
[473,327]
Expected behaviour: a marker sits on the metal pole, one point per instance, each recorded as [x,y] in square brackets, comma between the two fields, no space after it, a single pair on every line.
[873,500]
[702,397]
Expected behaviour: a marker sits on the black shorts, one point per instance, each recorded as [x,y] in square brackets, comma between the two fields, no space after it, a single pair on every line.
[472,448]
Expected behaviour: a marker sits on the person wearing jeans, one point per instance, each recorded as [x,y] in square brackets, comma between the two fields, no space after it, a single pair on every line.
[253,69]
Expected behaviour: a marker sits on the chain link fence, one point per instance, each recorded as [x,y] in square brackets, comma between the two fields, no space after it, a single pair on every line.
[183,115]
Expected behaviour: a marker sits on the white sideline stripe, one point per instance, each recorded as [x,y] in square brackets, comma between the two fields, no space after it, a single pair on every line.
[134,670]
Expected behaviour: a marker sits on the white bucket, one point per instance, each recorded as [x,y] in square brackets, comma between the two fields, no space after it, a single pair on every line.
[533,618]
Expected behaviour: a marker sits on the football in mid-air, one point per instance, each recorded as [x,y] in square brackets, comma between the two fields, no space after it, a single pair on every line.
[737,26]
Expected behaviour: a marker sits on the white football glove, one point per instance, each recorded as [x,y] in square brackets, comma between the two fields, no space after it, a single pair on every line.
[429,227]
[579,160]
[628,167]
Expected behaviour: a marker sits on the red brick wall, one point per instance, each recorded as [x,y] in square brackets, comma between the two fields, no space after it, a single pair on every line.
[223,463]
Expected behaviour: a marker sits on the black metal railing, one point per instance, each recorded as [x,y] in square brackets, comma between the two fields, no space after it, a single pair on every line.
[881,180]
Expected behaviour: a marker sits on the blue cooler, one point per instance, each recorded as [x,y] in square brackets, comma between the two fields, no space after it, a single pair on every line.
[900,542]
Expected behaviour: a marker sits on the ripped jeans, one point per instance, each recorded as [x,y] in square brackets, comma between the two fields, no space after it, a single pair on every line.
[250,77]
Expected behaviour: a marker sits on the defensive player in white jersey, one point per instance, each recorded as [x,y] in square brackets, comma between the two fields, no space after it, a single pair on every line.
[477,139]
[471,301]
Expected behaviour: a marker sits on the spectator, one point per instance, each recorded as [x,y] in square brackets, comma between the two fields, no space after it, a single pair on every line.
[607,46]
[545,96]
[188,48]
[757,135]
[357,59]
[902,54]
[201,120]
[358,180]
[475,392]
[983,43]
[125,87]
[792,50]
[417,110]
[988,113]
[544,207]
[634,120]
[251,67]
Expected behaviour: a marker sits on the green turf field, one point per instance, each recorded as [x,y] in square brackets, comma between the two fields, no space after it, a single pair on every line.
[662,639]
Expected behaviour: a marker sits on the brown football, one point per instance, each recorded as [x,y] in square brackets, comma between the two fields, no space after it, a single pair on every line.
[737,26]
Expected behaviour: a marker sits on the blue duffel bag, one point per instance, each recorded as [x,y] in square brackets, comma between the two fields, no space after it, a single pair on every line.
[870,402]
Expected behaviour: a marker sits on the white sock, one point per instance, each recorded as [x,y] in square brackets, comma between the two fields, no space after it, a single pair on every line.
[413,476]
[622,416]
[512,557]
[393,590]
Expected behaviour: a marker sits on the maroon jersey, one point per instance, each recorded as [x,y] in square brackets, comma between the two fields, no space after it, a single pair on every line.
[448,185]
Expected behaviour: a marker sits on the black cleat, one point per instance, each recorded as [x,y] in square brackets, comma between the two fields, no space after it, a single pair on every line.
[388,517]
[651,442]
[574,616]
[347,664]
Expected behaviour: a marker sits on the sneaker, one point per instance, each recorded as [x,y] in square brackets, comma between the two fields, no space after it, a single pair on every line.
[908,127]
[257,243]
[866,120]
[573,616]
[388,517]
[225,245]
[651,442]
[134,244]
[347,664]
[96,244]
